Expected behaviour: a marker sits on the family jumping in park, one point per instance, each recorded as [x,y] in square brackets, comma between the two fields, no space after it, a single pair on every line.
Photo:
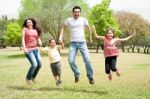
[31,42]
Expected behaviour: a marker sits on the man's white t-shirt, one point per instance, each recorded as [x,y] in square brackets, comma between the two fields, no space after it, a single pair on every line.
[77,27]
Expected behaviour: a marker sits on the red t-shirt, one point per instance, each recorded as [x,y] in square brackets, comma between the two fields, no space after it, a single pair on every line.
[30,38]
[110,48]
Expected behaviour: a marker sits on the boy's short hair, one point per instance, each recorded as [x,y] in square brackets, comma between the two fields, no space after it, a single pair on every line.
[51,40]
[76,7]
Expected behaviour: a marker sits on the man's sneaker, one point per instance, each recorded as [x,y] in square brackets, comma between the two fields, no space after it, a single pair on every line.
[91,81]
[29,82]
[76,79]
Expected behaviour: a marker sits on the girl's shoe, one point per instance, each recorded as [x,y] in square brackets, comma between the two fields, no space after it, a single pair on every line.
[110,77]
[118,72]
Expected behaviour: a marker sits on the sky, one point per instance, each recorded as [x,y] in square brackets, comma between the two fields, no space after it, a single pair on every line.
[141,7]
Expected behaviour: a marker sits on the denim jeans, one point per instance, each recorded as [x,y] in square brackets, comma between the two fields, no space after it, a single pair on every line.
[73,49]
[35,60]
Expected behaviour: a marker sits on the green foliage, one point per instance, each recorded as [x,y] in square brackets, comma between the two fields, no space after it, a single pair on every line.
[101,16]
[3,26]
[50,14]
[128,22]
[13,34]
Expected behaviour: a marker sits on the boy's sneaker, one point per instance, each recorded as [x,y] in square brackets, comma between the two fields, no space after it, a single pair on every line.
[58,82]
[76,79]
[91,80]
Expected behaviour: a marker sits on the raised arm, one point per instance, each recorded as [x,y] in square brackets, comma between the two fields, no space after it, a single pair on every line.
[61,45]
[95,34]
[127,38]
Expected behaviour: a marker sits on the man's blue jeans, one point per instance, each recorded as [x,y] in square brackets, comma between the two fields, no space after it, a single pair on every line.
[35,60]
[82,47]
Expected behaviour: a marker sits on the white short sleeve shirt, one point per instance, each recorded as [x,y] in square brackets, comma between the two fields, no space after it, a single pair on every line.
[77,27]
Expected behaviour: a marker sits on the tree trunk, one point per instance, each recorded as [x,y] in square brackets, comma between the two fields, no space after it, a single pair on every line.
[147,50]
[97,48]
[133,49]
[122,47]
[138,49]
[128,49]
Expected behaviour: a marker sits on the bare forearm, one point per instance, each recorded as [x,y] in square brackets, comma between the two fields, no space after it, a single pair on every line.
[61,32]
[39,41]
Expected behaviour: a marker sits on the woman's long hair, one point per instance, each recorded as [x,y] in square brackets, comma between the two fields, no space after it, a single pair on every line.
[38,29]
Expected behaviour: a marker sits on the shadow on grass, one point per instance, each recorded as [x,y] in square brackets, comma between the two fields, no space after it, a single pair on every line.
[16,56]
[28,88]
[23,56]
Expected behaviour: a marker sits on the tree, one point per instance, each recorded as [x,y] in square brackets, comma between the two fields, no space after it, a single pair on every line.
[127,23]
[102,17]
[13,34]
[50,14]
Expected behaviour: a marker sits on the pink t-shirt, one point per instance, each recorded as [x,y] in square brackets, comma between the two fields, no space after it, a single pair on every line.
[109,48]
[30,38]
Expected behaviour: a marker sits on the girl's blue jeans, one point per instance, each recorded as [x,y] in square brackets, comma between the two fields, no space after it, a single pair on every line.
[35,60]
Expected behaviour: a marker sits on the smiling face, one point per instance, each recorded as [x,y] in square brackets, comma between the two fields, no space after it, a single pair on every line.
[76,13]
[110,34]
[29,23]
[52,43]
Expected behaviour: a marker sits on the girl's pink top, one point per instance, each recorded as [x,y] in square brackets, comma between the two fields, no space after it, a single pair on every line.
[30,38]
[110,48]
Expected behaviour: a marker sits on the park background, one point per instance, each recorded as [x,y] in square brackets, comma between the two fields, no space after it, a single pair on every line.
[133,60]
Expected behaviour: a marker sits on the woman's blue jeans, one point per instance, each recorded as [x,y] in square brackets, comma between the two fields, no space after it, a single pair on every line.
[73,49]
[35,60]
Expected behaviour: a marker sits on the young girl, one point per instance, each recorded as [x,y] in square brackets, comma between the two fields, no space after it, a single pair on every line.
[110,50]
[55,58]
[30,40]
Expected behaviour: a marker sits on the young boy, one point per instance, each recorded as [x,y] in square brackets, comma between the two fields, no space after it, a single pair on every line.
[55,59]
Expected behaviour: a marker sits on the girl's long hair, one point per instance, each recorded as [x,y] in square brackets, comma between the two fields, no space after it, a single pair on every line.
[38,29]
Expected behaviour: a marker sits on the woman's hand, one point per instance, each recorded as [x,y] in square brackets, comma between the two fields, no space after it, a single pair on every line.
[25,50]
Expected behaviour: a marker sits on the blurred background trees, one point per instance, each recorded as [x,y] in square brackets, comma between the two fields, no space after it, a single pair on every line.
[50,15]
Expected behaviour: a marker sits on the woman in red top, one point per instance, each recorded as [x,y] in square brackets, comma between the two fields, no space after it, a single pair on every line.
[110,50]
[30,40]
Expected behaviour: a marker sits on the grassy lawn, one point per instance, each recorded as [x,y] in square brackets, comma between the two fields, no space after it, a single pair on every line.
[134,82]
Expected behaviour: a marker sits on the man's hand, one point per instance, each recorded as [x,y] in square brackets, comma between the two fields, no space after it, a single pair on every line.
[90,40]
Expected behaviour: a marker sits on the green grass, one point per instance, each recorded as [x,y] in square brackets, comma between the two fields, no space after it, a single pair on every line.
[134,82]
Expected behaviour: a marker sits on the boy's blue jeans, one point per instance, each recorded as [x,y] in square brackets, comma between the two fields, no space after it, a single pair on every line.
[35,60]
[73,49]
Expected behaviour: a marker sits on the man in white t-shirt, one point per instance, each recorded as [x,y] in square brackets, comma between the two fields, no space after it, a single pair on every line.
[77,26]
